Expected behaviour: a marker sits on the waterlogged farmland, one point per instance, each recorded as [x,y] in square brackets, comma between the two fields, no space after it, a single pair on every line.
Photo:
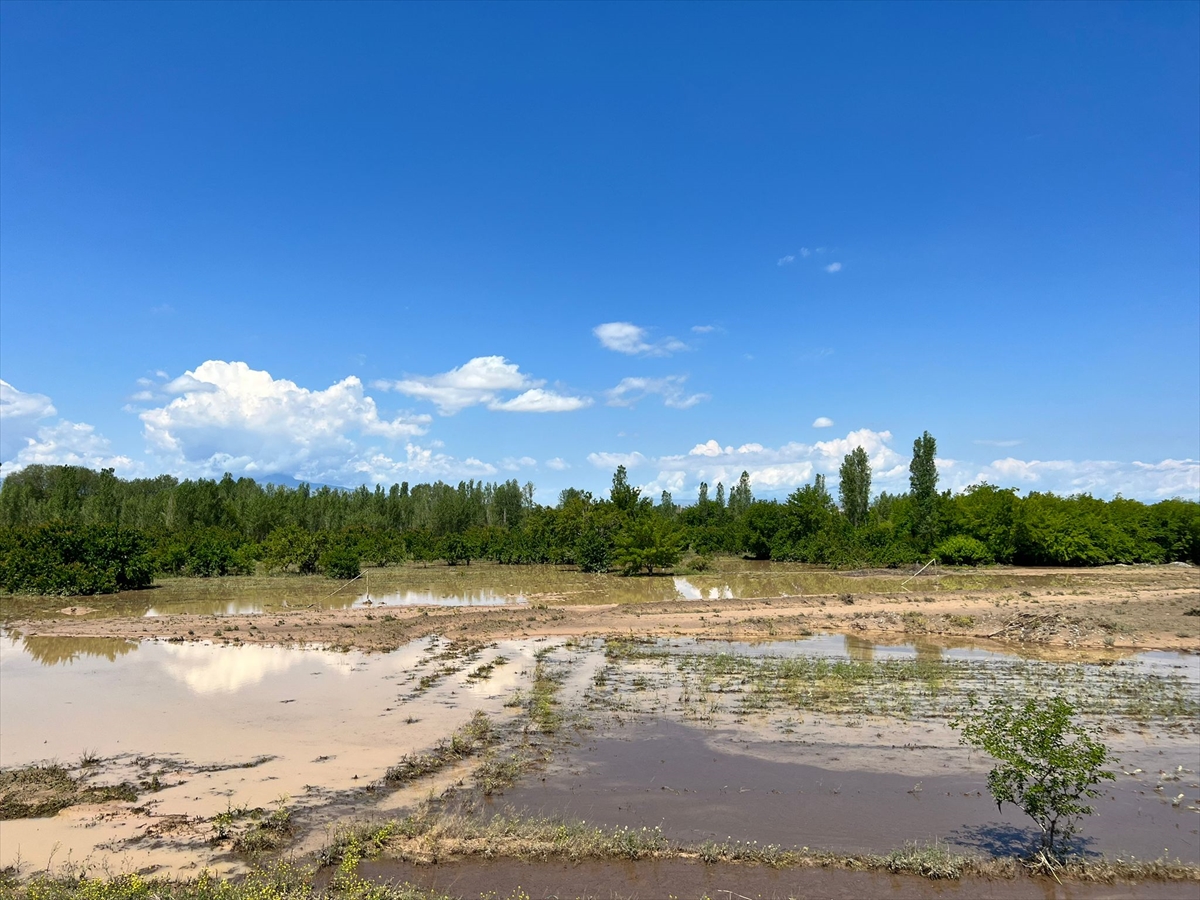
[217,756]
[478,728]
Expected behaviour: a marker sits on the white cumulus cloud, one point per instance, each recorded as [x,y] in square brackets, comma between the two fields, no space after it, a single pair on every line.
[776,469]
[633,340]
[670,388]
[822,422]
[558,464]
[482,381]
[26,440]
[20,415]
[230,417]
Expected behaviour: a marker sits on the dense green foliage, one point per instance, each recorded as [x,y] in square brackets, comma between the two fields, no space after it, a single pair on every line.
[70,530]
[1048,765]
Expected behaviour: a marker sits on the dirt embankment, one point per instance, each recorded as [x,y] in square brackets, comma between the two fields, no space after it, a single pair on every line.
[1117,608]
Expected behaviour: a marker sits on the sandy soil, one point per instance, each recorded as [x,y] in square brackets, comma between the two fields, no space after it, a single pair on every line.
[1114,608]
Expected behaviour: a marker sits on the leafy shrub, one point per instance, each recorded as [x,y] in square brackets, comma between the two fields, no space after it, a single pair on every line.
[593,550]
[961,550]
[340,562]
[1049,766]
[70,560]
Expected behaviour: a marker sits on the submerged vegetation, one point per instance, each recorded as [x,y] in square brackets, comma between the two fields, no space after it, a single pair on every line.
[904,688]
[36,791]
[70,530]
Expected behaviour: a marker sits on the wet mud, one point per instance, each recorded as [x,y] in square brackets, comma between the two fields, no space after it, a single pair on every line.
[656,879]
[700,785]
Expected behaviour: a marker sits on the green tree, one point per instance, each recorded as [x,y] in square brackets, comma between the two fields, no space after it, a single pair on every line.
[1049,765]
[854,486]
[922,481]
[741,496]
[623,495]
[648,542]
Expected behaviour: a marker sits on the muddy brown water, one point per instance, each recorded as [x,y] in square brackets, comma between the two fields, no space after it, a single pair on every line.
[325,722]
[316,725]
[657,879]
[694,785]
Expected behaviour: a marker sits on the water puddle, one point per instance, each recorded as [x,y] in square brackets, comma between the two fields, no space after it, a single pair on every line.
[226,727]
[700,785]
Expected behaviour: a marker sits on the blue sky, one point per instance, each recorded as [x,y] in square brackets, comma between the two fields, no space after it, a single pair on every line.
[357,243]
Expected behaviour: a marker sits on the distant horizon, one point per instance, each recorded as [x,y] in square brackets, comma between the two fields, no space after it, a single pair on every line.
[351,244]
[688,500]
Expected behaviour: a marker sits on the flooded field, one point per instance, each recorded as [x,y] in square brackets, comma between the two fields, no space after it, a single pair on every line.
[831,742]
[487,584]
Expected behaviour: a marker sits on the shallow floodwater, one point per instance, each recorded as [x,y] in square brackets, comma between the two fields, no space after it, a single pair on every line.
[226,726]
[702,785]
[488,584]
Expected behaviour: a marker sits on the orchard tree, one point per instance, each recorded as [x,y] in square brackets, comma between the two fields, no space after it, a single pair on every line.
[647,543]
[1049,766]
[854,487]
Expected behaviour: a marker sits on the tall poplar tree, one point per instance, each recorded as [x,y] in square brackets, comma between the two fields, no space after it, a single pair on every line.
[922,481]
[854,488]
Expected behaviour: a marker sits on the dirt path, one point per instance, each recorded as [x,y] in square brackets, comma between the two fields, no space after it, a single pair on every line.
[1115,608]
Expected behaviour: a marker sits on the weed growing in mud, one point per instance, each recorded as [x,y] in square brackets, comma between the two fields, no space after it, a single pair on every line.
[467,741]
[426,837]
[905,688]
[268,833]
[543,699]
[280,881]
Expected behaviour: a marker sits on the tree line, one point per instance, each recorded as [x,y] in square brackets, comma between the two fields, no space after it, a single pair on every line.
[69,530]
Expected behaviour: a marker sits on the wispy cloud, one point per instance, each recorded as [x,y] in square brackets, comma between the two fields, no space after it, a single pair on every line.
[612,460]
[816,354]
[704,329]
[786,260]
[989,443]
[1169,478]
[634,340]
[538,400]
[558,464]
[670,388]
[833,268]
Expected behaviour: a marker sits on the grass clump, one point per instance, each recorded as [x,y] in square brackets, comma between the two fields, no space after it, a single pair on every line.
[427,837]
[281,881]
[37,791]
[472,738]
[267,832]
